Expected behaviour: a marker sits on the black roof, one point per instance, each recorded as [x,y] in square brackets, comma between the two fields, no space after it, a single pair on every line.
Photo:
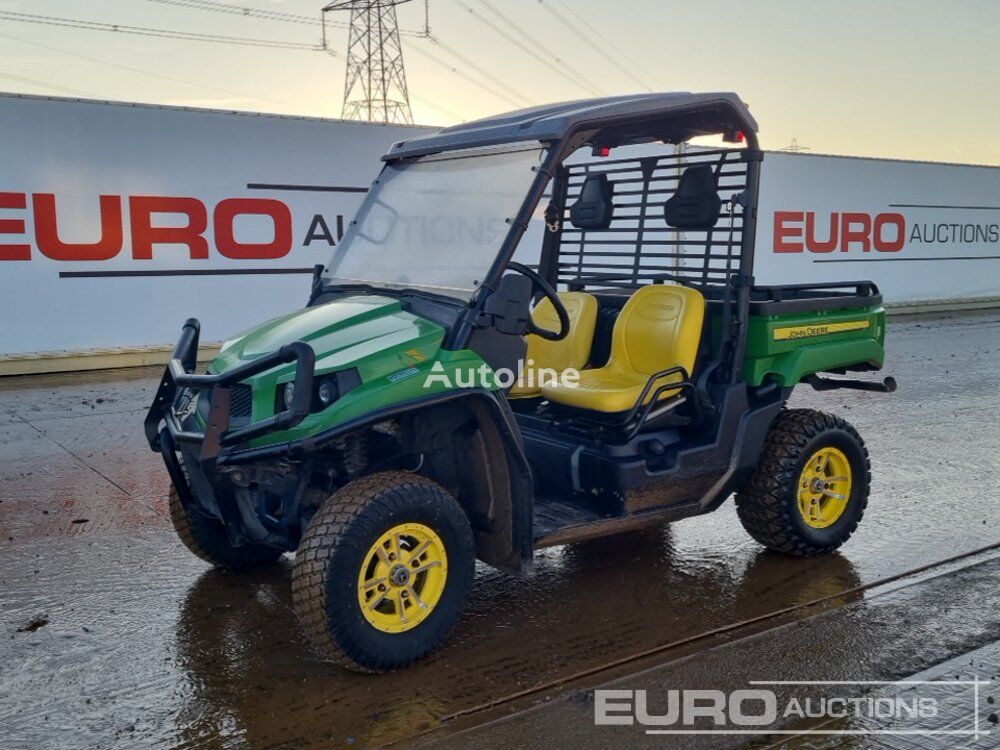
[685,115]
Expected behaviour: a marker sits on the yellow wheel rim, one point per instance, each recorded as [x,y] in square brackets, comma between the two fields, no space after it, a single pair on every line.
[824,487]
[402,577]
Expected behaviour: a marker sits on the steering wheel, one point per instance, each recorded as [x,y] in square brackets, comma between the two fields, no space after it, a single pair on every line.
[550,294]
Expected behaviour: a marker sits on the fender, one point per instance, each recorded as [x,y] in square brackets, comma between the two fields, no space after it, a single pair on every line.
[509,553]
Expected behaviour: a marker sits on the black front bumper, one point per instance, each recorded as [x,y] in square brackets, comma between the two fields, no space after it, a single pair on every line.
[196,475]
[218,436]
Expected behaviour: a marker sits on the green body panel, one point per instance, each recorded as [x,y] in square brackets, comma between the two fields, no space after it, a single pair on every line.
[399,358]
[813,343]
[392,350]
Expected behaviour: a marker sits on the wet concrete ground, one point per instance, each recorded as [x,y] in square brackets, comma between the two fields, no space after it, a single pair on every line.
[143,646]
[896,631]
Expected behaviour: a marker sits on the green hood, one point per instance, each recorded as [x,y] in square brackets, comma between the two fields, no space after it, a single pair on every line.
[392,351]
[361,331]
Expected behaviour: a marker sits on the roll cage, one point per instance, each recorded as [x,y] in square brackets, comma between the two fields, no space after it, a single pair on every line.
[717,262]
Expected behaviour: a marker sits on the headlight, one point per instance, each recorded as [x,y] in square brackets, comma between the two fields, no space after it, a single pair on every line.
[326,392]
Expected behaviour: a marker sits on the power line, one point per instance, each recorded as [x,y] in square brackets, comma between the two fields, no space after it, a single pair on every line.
[462,74]
[586,39]
[597,32]
[555,64]
[434,105]
[191,36]
[143,72]
[264,14]
[270,15]
[482,71]
[248,12]
[512,96]
[72,23]
[44,84]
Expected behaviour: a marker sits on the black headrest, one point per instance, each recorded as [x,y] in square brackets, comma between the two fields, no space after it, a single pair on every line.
[696,204]
[594,208]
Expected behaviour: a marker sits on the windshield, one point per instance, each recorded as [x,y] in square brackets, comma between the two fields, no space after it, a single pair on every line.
[435,223]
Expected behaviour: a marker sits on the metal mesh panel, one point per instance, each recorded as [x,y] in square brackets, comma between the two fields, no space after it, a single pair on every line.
[639,247]
[240,401]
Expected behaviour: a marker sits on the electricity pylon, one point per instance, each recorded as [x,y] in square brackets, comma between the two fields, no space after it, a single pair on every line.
[375,87]
[794,146]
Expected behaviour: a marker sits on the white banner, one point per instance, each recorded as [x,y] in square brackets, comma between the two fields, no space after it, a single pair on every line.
[118,222]
[921,231]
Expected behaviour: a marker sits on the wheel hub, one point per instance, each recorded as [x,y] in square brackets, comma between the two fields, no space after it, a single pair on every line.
[402,577]
[399,576]
[824,488]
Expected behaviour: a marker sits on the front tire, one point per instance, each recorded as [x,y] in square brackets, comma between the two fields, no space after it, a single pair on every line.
[383,572]
[810,488]
[206,538]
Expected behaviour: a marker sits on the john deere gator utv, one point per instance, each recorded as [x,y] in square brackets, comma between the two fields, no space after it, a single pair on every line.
[371,433]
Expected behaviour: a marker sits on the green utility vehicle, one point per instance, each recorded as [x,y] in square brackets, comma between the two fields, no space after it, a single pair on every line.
[379,434]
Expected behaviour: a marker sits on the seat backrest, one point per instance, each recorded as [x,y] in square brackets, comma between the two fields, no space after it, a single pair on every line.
[696,204]
[572,351]
[595,207]
[659,327]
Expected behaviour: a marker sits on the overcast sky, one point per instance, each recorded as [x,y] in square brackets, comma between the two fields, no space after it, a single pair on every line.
[901,78]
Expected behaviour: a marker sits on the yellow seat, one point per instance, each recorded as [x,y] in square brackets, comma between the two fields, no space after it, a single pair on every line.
[658,328]
[571,352]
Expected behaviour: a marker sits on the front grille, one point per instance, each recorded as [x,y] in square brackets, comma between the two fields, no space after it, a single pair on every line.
[240,402]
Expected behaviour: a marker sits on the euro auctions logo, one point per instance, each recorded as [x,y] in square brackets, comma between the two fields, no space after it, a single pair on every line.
[686,709]
[887,232]
[144,223]
[868,707]
[798,231]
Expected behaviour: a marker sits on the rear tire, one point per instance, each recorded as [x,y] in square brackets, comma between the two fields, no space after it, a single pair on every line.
[809,490]
[206,538]
[383,572]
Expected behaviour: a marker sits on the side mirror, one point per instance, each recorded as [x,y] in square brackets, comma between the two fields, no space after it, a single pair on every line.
[317,283]
[510,305]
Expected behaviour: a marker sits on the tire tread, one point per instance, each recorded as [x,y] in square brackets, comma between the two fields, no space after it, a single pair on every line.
[206,539]
[379,493]
[762,500]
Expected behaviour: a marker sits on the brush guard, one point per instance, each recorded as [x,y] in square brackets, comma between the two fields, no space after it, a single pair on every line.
[218,435]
